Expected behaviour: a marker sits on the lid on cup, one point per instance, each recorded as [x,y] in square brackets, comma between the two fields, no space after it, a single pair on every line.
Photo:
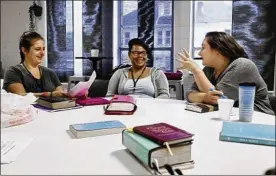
[247,84]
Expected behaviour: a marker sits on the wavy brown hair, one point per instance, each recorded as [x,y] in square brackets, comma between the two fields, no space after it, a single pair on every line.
[225,44]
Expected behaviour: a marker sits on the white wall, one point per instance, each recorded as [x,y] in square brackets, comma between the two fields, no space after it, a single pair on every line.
[14,21]
[182,27]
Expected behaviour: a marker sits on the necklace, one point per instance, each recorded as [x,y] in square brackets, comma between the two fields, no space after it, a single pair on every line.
[135,81]
[39,84]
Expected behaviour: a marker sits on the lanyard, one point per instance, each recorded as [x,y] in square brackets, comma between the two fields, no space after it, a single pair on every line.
[135,82]
[38,83]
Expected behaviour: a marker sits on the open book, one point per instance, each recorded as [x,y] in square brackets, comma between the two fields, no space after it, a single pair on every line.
[82,87]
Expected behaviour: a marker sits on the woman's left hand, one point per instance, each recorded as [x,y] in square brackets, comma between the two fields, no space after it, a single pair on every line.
[186,62]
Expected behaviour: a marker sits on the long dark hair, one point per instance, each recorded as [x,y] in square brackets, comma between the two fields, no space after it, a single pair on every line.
[26,41]
[226,45]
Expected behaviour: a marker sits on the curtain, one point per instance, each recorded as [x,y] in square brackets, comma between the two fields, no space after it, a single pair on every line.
[60,39]
[97,34]
[146,24]
[97,18]
[254,27]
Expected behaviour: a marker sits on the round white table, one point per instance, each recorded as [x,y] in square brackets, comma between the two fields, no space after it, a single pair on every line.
[55,151]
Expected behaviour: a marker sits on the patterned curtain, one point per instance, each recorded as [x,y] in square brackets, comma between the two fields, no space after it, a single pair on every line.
[146,24]
[60,39]
[97,33]
[254,27]
[97,17]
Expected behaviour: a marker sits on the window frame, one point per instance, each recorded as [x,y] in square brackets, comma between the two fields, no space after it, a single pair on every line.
[170,49]
[192,48]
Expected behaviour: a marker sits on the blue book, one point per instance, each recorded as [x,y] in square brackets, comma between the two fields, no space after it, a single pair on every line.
[97,128]
[249,133]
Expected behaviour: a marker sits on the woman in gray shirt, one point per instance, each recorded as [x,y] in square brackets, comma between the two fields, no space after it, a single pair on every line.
[139,79]
[226,66]
[29,76]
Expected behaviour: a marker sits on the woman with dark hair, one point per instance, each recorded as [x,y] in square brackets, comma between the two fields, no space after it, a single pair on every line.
[139,79]
[226,65]
[29,75]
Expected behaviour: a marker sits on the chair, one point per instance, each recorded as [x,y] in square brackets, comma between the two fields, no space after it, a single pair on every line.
[175,80]
[272,101]
[98,88]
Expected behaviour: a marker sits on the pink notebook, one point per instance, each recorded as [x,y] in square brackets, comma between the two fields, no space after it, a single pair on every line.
[121,105]
[92,101]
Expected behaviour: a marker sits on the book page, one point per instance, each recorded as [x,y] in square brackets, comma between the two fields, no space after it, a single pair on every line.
[121,107]
[21,142]
[82,87]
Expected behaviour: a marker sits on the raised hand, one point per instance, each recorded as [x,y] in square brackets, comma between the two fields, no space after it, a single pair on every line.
[185,61]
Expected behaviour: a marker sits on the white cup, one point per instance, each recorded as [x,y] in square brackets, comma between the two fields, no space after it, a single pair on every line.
[94,53]
[225,107]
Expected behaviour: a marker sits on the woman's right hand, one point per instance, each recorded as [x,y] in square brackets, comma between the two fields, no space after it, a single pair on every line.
[211,97]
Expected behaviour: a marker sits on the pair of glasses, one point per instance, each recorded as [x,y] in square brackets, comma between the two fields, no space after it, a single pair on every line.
[136,53]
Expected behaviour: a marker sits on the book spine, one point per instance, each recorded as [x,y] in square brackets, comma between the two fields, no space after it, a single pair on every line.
[247,140]
[136,148]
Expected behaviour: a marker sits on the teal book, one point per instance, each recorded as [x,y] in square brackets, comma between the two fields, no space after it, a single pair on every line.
[249,133]
[96,128]
[146,151]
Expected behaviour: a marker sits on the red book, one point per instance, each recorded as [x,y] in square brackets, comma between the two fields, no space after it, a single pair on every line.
[162,133]
[121,105]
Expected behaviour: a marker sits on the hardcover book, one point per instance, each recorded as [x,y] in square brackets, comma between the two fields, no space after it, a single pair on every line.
[146,151]
[200,107]
[121,105]
[162,133]
[97,128]
[55,102]
[249,133]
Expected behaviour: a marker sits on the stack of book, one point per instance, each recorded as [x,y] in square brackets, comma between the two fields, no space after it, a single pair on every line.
[56,102]
[159,145]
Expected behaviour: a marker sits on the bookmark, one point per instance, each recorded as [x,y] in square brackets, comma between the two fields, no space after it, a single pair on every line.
[129,129]
[169,169]
[178,171]
[168,147]
[155,166]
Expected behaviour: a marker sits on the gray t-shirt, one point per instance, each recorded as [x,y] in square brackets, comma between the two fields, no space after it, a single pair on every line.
[18,74]
[240,70]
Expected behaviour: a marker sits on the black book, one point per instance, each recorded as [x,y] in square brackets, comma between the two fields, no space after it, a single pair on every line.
[56,102]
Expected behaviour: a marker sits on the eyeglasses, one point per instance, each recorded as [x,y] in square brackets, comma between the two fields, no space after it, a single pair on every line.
[136,53]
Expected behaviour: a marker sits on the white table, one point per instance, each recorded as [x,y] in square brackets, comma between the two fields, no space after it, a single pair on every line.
[53,150]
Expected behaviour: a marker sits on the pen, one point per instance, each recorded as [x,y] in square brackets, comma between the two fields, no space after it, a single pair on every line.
[221,96]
